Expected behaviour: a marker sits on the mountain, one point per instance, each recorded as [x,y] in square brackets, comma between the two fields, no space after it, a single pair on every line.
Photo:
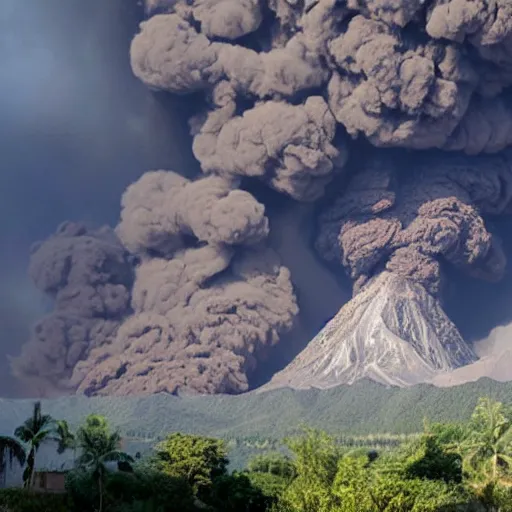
[250,422]
[392,332]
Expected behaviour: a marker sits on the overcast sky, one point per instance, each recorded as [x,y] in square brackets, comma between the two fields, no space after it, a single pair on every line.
[75,129]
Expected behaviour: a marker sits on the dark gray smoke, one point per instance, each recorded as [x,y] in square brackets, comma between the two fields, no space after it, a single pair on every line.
[163,207]
[412,219]
[208,296]
[201,321]
[76,129]
[285,92]
[89,277]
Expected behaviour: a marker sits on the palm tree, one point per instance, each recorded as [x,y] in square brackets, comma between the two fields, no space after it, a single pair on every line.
[11,449]
[99,446]
[488,448]
[35,431]
[64,437]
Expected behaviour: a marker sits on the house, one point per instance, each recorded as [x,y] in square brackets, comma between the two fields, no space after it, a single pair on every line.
[50,471]
[51,467]
[49,481]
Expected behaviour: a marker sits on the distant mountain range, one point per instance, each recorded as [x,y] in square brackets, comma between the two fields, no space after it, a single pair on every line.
[257,419]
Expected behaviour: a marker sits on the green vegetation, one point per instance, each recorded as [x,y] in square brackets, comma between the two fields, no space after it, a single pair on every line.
[98,446]
[195,459]
[21,500]
[448,467]
[257,422]
[10,449]
[36,430]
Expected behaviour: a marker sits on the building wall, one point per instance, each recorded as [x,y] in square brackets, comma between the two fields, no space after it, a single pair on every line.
[49,481]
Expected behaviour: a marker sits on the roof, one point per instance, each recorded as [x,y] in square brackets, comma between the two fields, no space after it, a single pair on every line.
[48,460]
[56,472]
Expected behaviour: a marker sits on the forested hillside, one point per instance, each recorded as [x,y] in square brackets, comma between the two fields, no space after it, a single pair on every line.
[447,467]
[360,409]
[363,408]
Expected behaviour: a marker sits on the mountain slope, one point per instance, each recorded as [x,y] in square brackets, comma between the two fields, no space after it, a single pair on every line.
[363,408]
[366,407]
[393,332]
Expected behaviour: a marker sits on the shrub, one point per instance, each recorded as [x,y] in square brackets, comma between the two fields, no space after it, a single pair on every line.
[19,500]
[144,489]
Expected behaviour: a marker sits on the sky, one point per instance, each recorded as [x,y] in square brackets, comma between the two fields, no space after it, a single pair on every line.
[76,129]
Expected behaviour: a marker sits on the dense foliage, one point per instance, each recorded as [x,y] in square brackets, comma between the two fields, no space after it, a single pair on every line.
[21,500]
[449,467]
[256,422]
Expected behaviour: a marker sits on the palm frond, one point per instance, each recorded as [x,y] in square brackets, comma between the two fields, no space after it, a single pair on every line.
[23,433]
[42,435]
[117,456]
[505,441]
[86,440]
[13,449]
[85,460]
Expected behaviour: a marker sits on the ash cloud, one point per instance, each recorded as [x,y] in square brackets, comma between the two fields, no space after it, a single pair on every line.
[286,92]
[289,147]
[88,274]
[163,207]
[412,221]
[201,321]
[210,302]
[208,298]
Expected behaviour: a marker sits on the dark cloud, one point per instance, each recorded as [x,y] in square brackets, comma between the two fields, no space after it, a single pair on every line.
[76,129]
[89,277]
[290,147]
[163,207]
[278,88]
[187,335]
[411,221]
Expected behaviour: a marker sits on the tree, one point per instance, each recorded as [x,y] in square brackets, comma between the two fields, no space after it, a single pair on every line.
[487,450]
[450,435]
[274,463]
[388,486]
[35,431]
[197,459]
[98,446]
[316,463]
[270,473]
[393,493]
[64,437]
[420,477]
[12,450]
[351,485]
[433,462]
[236,493]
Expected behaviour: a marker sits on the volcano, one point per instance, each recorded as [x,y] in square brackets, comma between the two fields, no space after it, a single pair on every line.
[392,332]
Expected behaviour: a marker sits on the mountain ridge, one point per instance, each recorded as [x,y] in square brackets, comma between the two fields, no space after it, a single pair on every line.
[249,421]
[163,412]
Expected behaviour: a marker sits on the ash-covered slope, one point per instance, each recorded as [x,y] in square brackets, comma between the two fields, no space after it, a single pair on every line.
[392,332]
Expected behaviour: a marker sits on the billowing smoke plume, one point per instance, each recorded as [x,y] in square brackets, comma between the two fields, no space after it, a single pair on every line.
[163,208]
[207,300]
[284,86]
[201,320]
[89,276]
[411,221]
[208,296]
